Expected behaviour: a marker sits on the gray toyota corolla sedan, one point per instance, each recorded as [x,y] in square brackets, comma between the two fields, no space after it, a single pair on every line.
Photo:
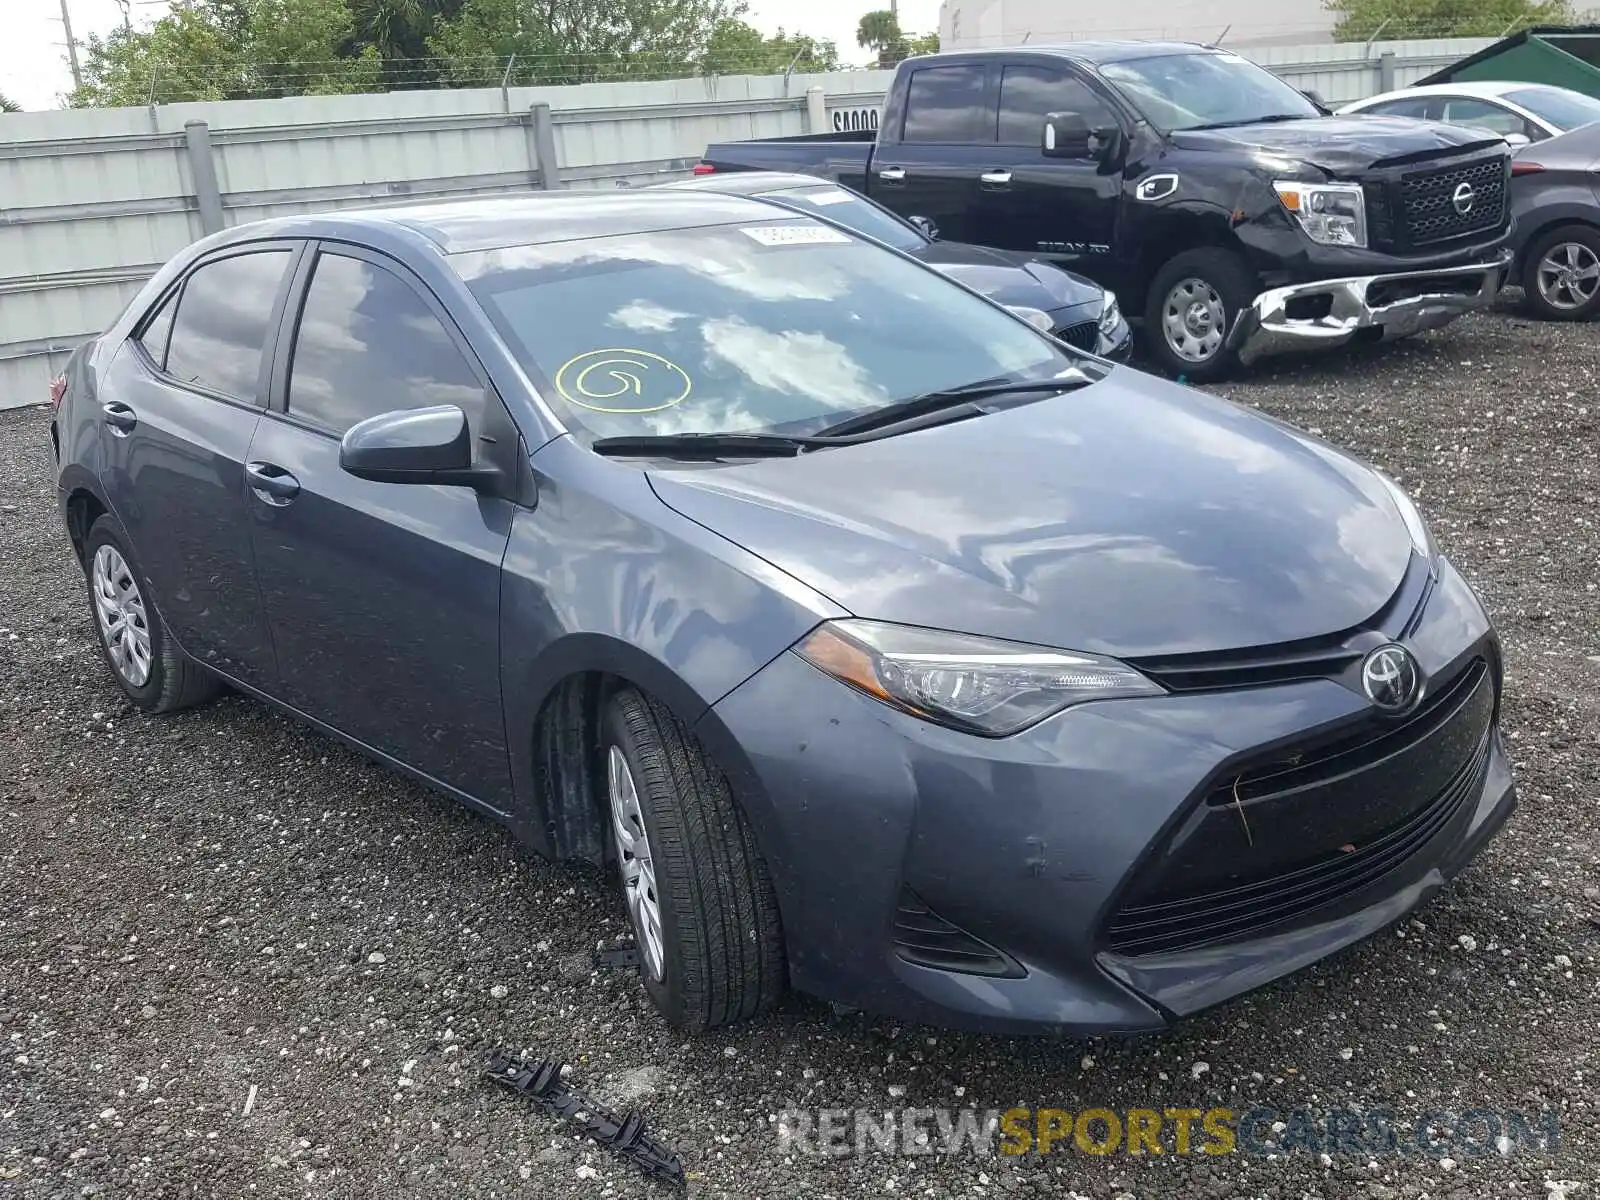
[891,649]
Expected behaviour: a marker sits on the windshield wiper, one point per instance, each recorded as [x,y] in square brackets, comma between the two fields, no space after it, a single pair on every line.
[1266,120]
[954,398]
[708,445]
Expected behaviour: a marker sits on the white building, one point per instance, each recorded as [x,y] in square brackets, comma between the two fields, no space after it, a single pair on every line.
[973,24]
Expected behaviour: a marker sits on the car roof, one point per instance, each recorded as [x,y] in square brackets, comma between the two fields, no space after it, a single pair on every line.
[1484,89]
[1095,53]
[490,222]
[746,183]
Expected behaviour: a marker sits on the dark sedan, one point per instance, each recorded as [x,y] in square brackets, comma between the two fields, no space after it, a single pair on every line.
[1555,199]
[887,647]
[1079,311]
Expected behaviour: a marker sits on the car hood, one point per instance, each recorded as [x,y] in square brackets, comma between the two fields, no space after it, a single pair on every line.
[1341,146]
[1133,517]
[1009,279]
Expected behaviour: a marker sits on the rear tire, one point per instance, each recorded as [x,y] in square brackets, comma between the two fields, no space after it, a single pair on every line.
[1192,305]
[1561,274]
[152,672]
[701,902]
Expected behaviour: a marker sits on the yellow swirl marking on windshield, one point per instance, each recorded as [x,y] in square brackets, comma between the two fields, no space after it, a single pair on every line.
[622,380]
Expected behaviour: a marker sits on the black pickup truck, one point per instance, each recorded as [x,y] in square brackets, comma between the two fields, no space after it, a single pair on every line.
[1229,211]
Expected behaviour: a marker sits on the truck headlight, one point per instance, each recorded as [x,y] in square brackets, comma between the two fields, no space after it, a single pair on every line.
[1110,316]
[976,684]
[1334,214]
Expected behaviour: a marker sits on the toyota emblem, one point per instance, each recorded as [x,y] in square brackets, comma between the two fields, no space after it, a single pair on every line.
[1463,198]
[1391,678]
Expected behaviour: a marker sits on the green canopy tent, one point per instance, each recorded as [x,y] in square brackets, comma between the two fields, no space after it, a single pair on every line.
[1566,57]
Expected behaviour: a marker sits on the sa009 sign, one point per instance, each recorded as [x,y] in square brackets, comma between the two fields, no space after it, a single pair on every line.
[847,119]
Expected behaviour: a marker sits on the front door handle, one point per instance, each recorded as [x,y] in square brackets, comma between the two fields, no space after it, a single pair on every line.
[892,174]
[119,416]
[272,483]
[995,178]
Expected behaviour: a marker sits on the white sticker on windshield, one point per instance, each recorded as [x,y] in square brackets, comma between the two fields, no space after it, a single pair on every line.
[795,235]
[826,198]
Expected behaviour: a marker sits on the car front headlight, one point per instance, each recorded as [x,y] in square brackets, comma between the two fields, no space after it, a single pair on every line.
[1110,316]
[1421,539]
[976,684]
[1334,214]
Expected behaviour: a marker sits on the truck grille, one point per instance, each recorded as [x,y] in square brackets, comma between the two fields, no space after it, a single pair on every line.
[1085,335]
[1428,200]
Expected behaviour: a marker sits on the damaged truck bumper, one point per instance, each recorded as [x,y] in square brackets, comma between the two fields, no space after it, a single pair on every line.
[1332,312]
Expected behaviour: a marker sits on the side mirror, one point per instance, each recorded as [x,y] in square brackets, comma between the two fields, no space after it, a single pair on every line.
[929,229]
[1316,98]
[1518,140]
[416,445]
[1066,135]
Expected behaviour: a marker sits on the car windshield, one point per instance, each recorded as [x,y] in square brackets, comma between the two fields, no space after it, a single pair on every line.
[854,212]
[1205,90]
[773,327]
[1563,109]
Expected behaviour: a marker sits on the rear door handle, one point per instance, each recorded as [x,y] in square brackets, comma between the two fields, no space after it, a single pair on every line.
[995,178]
[272,483]
[119,416]
[892,174]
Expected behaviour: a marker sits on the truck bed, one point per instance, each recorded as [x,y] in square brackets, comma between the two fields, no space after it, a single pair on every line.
[841,157]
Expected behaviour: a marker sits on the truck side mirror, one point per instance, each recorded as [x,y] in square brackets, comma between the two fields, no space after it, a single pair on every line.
[1066,135]
[929,229]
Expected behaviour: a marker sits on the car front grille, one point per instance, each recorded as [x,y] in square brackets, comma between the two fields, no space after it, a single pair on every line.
[1085,335]
[1428,200]
[1281,836]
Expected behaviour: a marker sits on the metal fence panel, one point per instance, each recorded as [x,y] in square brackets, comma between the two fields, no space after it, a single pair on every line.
[92,201]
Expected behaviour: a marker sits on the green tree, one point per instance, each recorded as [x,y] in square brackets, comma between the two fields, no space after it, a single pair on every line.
[227,50]
[926,43]
[1359,20]
[737,48]
[578,41]
[880,31]
[8,105]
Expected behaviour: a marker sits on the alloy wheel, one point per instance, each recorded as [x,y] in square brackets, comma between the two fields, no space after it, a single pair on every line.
[635,860]
[124,622]
[1194,320]
[1568,276]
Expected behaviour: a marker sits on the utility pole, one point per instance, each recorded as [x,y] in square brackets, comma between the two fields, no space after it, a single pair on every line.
[127,21]
[72,46]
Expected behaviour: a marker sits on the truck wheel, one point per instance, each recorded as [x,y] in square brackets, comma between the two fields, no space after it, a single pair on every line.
[702,905]
[1561,274]
[152,672]
[1193,302]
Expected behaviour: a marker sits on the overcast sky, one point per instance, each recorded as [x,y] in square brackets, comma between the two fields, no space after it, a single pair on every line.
[34,72]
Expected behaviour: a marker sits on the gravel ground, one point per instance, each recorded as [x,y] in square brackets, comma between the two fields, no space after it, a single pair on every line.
[201,909]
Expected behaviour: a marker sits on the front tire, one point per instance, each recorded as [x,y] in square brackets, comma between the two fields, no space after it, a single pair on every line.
[1561,274]
[699,898]
[1193,302]
[152,672]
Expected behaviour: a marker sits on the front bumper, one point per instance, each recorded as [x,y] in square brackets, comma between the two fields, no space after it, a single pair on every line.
[1031,846]
[1331,312]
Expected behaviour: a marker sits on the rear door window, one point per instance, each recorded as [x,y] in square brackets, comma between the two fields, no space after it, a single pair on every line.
[947,105]
[1400,108]
[1480,114]
[368,343]
[223,321]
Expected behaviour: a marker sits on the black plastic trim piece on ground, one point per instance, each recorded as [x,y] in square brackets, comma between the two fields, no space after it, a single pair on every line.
[625,1136]
[609,957]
